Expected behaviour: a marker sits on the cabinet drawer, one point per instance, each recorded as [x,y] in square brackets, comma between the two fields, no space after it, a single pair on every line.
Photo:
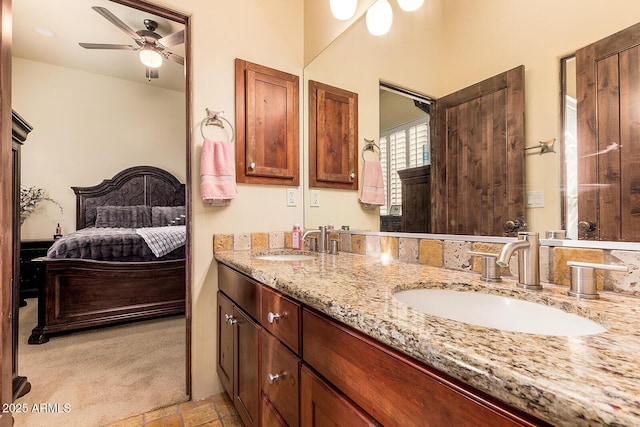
[393,388]
[280,378]
[321,405]
[281,317]
[243,291]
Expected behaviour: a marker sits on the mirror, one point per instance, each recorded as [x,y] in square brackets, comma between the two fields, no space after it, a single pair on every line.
[448,45]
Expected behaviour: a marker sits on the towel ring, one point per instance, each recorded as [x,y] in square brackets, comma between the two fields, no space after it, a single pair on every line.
[215,118]
[370,146]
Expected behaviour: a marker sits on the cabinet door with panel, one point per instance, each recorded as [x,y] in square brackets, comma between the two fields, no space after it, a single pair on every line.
[267,121]
[238,359]
[333,137]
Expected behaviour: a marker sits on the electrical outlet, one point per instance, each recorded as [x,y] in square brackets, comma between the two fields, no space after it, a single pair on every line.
[292,197]
[315,198]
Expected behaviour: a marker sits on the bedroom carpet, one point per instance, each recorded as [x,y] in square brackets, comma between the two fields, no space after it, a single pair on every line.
[100,376]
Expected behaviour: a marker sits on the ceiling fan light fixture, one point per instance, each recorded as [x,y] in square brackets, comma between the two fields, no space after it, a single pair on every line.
[410,5]
[150,57]
[379,18]
[343,9]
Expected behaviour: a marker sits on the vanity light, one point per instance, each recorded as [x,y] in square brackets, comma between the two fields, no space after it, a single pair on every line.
[150,57]
[379,18]
[410,5]
[343,9]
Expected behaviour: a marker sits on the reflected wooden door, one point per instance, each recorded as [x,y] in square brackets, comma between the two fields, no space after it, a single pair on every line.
[478,158]
[608,99]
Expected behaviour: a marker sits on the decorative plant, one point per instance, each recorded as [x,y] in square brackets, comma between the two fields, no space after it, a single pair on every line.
[30,198]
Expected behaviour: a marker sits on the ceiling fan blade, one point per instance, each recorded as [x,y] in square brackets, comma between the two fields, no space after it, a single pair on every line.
[152,73]
[173,57]
[172,39]
[106,46]
[117,22]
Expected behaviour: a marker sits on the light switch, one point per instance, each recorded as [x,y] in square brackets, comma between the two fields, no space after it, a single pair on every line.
[535,199]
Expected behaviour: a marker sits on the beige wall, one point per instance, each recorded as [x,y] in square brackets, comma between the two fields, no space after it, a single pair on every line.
[86,128]
[268,33]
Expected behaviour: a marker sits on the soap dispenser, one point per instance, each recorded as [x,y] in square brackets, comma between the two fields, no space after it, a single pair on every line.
[296,237]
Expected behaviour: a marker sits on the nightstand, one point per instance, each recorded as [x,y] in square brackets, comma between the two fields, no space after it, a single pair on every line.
[32,274]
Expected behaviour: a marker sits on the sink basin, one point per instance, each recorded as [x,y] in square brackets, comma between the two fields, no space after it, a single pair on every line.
[495,311]
[284,257]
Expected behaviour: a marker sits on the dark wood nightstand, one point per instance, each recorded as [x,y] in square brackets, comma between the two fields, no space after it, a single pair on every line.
[32,274]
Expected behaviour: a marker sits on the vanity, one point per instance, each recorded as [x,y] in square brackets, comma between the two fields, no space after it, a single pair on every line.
[324,339]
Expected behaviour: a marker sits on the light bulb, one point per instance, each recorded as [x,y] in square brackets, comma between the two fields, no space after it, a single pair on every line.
[150,57]
[343,9]
[410,5]
[379,18]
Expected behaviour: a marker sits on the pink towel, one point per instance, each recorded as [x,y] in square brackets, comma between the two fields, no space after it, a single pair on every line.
[372,191]
[217,172]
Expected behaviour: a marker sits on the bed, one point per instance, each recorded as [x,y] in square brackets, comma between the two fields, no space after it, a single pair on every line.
[95,283]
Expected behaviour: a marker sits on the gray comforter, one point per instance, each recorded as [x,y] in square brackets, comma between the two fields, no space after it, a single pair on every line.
[108,244]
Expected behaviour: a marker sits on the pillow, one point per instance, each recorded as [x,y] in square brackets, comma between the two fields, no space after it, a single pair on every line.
[164,215]
[123,216]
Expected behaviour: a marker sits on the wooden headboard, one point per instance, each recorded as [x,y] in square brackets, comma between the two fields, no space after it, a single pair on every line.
[138,185]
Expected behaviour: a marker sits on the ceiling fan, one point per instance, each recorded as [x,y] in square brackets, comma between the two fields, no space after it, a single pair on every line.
[151,45]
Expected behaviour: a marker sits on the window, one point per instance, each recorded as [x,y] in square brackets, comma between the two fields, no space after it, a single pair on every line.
[401,147]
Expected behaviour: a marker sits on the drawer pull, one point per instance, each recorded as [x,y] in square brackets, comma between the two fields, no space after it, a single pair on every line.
[273,317]
[274,378]
[230,320]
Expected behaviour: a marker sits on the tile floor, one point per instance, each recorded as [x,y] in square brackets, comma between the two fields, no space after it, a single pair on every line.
[214,411]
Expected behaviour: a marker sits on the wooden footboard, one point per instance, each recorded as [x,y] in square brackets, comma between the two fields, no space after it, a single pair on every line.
[82,294]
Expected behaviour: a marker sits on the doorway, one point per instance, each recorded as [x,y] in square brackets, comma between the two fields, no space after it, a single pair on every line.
[161,14]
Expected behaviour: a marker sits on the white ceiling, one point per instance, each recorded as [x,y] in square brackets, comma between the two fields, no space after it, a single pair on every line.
[74,21]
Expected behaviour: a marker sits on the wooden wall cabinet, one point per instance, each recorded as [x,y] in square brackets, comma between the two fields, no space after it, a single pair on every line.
[333,137]
[267,123]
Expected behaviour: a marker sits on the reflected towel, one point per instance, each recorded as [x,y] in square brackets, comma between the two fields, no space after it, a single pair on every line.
[372,191]
[217,172]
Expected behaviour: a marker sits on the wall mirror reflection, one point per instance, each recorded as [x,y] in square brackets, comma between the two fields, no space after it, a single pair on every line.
[445,47]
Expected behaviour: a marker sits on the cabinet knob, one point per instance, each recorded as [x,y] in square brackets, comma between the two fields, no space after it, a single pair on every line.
[271,317]
[274,317]
[352,175]
[230,320]
[513,225]
[252,165]
[273,378]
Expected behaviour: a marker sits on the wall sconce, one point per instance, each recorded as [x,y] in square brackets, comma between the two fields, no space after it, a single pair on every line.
[343,9]
[379,18]
[150,57]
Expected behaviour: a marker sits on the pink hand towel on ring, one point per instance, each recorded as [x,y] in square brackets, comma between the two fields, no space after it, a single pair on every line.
[372,191]
[217,172]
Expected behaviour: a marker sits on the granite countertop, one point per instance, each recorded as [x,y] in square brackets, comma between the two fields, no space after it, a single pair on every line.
[571,381]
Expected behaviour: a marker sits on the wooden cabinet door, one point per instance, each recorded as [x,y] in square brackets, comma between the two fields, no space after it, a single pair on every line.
[333,137]
[281,378]
[224,361]
[608,99]
[477,173]
[323,406]
[246,395]
[267,121]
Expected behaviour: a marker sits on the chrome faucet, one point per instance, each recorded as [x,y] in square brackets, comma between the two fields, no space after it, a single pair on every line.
[323,237]
[528,247]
